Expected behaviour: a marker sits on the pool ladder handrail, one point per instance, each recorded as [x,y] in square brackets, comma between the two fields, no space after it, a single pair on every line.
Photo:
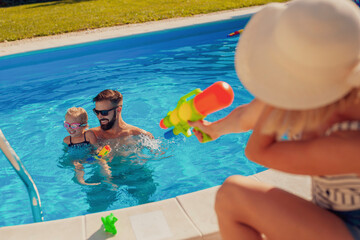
[24,176]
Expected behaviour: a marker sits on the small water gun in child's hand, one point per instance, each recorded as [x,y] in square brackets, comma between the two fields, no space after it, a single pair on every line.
[103,152]
[216,97]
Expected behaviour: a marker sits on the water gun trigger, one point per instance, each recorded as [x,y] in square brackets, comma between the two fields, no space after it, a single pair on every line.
[205,137]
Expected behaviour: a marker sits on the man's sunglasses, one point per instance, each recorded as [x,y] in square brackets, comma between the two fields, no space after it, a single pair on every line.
[104,112]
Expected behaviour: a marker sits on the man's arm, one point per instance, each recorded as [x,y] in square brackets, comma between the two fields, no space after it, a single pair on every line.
[138,131]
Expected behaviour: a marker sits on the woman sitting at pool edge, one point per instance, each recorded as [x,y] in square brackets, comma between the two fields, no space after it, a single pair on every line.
[309,50]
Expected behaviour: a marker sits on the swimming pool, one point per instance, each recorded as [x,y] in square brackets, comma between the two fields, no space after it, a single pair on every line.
[152,71]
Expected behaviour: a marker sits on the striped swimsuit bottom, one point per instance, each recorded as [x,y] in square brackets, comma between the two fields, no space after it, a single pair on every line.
[340,194]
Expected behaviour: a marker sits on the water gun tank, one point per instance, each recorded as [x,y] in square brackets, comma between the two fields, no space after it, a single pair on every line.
[214,98]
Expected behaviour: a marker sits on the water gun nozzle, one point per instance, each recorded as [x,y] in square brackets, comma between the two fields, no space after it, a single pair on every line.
[162,125]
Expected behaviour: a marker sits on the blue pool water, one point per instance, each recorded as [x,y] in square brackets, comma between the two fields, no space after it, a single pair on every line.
[152,71]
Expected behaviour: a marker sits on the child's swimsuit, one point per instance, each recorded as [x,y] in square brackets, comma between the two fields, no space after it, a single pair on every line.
[85,143]
[340,194]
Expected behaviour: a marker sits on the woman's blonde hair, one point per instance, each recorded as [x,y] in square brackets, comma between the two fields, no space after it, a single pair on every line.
[292,123]
[78,113]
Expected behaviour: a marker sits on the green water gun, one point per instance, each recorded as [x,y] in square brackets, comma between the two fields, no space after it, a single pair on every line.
[216,97]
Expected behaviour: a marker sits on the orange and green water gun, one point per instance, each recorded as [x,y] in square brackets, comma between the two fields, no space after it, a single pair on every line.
[214,98]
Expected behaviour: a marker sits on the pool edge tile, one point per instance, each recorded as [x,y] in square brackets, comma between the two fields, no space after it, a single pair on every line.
[199,206]
[172,223]
[68,228]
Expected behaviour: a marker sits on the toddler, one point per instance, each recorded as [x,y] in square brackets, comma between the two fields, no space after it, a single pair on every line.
[75,123]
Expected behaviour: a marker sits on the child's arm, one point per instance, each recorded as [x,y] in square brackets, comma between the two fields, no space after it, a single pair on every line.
[241,119]
[335,154]
[106,172]
[105,168]
[79,171]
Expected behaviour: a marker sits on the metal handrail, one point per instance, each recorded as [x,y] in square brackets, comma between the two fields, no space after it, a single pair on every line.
[24,176]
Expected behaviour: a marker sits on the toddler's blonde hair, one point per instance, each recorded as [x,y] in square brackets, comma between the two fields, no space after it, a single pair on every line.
[292,123]
[79,113]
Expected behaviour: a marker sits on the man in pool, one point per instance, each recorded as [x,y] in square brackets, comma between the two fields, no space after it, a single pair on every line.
[108,107]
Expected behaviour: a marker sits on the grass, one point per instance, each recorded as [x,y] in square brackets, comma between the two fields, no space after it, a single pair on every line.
[50,18]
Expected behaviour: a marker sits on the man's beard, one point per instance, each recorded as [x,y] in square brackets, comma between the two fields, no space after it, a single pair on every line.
[109,125]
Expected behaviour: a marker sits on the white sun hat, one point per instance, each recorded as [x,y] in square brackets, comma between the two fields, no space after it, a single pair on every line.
[302,55]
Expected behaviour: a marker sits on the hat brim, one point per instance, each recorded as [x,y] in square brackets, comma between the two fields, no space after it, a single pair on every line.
[273,77]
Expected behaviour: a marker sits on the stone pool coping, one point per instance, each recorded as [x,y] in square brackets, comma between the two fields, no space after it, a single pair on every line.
[189,216]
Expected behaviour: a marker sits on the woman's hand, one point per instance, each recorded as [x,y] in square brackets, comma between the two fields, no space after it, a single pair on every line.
[204,127]
[241,119]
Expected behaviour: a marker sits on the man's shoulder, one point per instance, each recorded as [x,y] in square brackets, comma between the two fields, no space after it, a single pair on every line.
[130,130]
[96,131]
[137,131]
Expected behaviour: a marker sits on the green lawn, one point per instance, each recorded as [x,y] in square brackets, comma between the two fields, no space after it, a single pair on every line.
[51,18]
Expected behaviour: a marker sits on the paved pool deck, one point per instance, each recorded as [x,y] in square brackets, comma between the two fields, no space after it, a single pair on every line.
[189,216]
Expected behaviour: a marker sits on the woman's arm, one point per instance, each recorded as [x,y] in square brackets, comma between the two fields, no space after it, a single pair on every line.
[241,119]
[335,154]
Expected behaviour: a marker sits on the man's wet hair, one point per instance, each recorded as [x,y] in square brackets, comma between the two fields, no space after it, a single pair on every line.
[115,97]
